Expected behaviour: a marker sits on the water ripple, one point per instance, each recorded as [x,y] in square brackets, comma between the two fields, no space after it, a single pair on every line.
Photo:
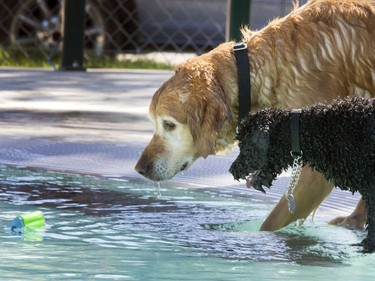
[98,221]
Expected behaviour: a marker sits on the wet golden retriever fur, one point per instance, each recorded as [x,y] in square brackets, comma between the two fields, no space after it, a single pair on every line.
[321,50]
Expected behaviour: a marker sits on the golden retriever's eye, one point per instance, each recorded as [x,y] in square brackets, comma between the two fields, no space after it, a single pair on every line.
[168,125]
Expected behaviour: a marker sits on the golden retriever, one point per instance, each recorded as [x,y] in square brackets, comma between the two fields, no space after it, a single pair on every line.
[321,50]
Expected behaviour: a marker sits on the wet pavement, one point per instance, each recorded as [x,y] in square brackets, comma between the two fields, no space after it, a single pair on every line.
[96,123]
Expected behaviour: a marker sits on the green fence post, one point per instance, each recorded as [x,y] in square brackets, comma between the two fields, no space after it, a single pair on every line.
[238,15]
[73,35]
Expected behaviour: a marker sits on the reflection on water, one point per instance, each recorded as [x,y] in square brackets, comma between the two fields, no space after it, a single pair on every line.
[124,229]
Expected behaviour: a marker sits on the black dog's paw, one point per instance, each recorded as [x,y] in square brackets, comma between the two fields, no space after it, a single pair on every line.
[367,245]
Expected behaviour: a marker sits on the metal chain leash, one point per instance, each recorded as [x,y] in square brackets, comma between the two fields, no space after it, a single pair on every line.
[296,172]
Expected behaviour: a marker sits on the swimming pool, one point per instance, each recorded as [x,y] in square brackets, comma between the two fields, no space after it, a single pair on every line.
[132,229]
[108,228]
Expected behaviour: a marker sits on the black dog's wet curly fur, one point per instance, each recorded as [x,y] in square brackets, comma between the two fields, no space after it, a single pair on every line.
[337,140]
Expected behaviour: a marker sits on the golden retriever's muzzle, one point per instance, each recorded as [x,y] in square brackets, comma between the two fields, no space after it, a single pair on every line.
[158,170]
[146,163]
[144,167]
[155,172]
[156,163]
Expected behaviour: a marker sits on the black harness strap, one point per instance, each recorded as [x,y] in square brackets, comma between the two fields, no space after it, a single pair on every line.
[294,131]
[244,86]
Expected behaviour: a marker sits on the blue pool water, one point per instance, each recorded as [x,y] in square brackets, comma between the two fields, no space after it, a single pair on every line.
[124,229]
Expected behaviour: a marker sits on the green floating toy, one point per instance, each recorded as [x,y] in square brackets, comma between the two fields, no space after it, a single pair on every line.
[30,220]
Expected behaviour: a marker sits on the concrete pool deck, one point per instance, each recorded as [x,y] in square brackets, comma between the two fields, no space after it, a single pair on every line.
[96,123]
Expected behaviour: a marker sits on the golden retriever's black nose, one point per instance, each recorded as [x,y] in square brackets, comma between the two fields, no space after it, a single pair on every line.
[143,168]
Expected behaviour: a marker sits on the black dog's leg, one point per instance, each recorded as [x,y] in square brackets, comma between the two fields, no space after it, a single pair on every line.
[369,242]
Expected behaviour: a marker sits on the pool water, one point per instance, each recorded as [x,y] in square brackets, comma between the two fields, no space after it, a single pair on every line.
[132,229]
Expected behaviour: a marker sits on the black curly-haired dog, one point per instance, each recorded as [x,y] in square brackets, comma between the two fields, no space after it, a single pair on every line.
[337,140]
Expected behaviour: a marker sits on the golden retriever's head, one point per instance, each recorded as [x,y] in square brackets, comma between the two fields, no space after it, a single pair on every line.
[188,113]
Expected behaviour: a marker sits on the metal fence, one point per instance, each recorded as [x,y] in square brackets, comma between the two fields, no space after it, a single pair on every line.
[156,29]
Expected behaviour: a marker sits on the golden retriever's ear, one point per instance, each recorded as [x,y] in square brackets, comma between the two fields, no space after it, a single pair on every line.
[206,115]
